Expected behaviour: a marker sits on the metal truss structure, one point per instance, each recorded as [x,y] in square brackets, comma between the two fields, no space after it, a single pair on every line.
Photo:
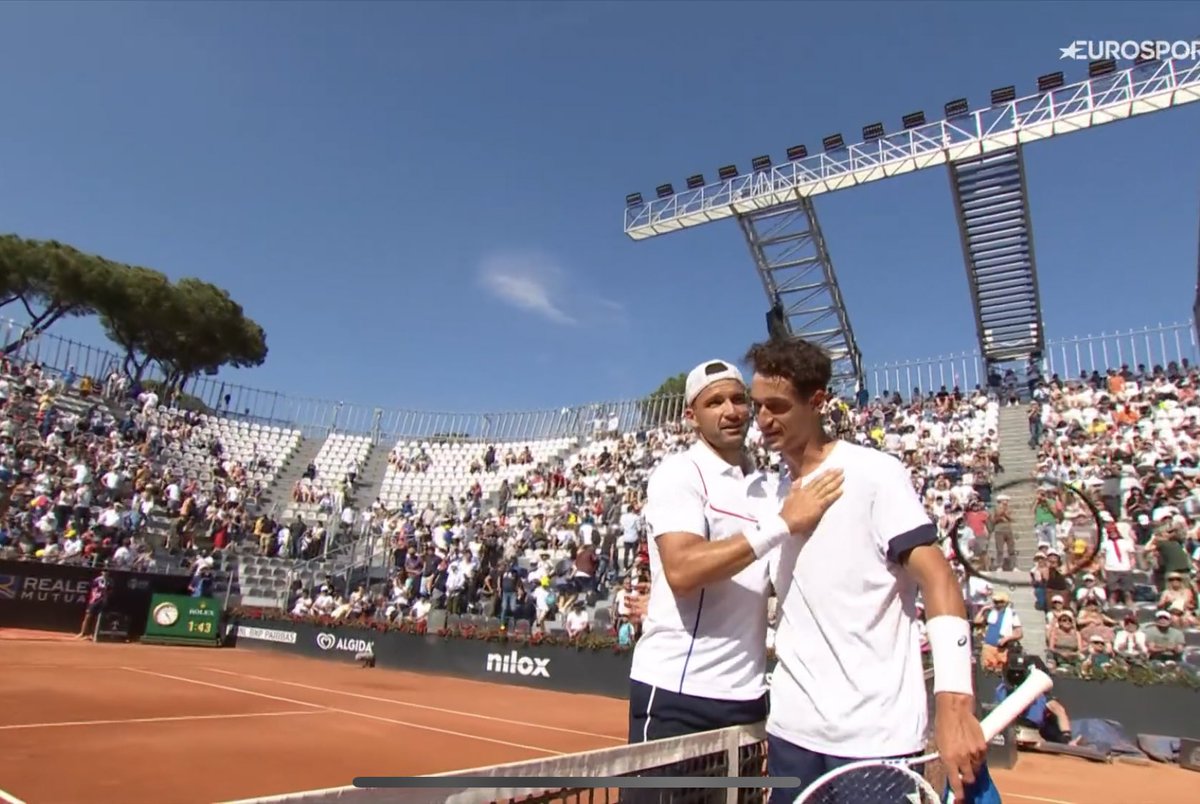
[982,149]
[992,207]
[1139,90]
[1196,300]
[793,263]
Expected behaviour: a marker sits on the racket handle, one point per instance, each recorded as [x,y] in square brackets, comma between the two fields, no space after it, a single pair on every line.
[1008,710]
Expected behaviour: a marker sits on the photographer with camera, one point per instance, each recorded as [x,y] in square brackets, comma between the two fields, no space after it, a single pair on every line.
[1045,715]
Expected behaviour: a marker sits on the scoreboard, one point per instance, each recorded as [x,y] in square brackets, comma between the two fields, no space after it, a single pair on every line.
[183,620]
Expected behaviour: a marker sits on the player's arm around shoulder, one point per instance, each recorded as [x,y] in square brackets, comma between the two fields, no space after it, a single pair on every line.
[676,521]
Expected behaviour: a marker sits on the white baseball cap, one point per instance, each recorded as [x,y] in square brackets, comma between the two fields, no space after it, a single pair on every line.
[706,374]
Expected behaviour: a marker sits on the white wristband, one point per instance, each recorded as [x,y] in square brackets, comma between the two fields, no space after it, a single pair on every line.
[950,644]
[767,535]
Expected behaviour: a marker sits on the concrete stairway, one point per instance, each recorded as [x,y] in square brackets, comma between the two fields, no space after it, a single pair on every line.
[280,490]
[1019,461]
[370,482]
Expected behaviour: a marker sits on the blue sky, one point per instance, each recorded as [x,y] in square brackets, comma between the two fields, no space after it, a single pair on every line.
[422,204]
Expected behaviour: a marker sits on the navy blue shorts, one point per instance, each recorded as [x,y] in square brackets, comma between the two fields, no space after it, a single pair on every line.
[789,759]
[656,713]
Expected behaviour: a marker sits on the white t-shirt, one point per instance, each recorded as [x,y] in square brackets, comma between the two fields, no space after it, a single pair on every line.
[849,681]
[1119,553]
[710,643]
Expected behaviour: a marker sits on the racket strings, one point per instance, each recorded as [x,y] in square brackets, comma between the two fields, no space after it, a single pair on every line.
[873,784]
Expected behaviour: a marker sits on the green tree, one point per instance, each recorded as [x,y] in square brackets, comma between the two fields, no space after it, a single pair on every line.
[664,405]
[139,315]
[209,330]
[185,328]
[50,281]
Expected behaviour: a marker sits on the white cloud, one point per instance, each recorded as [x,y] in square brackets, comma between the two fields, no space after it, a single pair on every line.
[528,281]
[614,307]
[536,283]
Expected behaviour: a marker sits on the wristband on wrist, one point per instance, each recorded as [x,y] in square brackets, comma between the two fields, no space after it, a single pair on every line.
[950,644]
[767,535]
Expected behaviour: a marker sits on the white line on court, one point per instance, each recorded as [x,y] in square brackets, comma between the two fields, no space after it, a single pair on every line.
[174,719]
[426,707]
[223,687]
[1035,798]
[9,798]
[381,719]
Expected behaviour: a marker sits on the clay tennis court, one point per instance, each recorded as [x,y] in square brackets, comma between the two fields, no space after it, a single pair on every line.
[82,722]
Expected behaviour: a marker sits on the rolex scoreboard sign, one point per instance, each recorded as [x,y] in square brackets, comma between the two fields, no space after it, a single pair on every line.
[183,620]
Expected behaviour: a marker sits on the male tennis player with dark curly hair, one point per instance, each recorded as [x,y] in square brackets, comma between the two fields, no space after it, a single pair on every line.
[849,684]
[700,663]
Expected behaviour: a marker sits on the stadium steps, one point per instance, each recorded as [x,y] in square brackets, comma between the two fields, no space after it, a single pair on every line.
[279,493]
[1019,460]
[370,482]
[992,207]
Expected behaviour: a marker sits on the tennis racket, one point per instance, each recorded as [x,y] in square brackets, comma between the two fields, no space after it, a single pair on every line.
[900,781]
[1079,536]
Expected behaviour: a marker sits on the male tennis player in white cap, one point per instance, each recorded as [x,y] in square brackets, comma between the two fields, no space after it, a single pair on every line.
[701,661]
[849,683]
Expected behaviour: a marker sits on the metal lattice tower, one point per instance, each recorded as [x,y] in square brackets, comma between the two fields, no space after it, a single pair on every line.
[992,207]
[1196,301]
[792,261]
[979,147]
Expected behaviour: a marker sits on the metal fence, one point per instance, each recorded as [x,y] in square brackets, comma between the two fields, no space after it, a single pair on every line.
[1067,357]
[319,417]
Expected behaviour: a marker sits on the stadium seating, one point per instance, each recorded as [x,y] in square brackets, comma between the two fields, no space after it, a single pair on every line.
[1129,437]
[262,449]
[429,472]
[534,495]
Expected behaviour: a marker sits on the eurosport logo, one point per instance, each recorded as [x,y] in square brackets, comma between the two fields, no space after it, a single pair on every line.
[516,664]
[334,642]
[1095,49]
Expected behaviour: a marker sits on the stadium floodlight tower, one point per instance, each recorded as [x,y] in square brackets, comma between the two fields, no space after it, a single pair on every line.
[1196,300]
[982,150]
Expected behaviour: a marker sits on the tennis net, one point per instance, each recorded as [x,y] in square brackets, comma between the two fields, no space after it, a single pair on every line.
[733,759]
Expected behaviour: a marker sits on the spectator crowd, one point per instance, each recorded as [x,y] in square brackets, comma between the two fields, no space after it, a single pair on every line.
[107,473]
[1129,438]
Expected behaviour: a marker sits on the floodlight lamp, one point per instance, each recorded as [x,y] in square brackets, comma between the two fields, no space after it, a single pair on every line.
[633,200]
[1145,57]
[695,182]
[873,131]
[760,163]
[1004,95]
[1101,67]
[957,108]
[665,190]
[833,142]
[797,152]
[1050,81]
[727,172]
[913,120]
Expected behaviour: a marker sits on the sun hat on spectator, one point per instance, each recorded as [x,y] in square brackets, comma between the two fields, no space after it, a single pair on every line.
[1162,614]
[707,373]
